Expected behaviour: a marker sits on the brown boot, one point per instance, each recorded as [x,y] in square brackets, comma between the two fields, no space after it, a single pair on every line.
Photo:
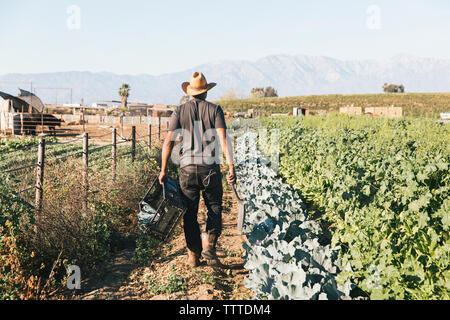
[209,250]
[193,258]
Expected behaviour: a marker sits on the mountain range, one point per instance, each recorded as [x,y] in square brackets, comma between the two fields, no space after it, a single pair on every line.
[291,75]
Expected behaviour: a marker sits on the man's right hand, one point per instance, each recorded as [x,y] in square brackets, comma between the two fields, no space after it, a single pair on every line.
[162,177]
[231,176]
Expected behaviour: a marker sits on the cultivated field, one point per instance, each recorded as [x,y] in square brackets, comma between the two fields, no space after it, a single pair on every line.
[413,104]
[359,208]
[369,217]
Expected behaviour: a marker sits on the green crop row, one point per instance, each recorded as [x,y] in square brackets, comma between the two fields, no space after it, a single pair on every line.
[382,187]
[284,254]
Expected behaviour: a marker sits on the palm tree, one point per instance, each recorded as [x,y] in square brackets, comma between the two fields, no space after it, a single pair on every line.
[124,92]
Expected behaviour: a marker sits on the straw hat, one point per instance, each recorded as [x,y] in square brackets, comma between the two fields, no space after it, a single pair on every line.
[197,85]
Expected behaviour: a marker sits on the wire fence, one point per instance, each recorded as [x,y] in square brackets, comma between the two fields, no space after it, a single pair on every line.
[65,125]
[138,145]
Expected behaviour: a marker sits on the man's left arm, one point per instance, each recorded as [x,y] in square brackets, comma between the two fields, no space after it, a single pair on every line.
[227,149]
[221,128]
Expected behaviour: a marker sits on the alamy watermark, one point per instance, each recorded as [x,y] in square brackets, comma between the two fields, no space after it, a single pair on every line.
[373,21]
[73,21]
[74,279]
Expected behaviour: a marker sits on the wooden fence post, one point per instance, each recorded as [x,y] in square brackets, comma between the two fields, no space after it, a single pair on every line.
[22,131]
[84,127]
[40,176]
[149,136]
[133,143]
[121,125]
[159,127]
[13,124]
[85,168]
[114,153]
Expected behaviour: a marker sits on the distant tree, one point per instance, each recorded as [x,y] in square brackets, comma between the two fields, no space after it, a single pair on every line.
[257,93]
[270,92]
[393,88]
[124,92]
[184,99]
[261,92]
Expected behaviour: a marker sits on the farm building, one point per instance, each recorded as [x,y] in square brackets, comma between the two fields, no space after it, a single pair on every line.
[300,111]
[389,112]
[33,100]
[253,113]
[351,110]
[19,114]
[10,107]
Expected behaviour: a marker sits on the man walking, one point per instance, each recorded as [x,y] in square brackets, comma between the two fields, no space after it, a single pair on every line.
[201,124]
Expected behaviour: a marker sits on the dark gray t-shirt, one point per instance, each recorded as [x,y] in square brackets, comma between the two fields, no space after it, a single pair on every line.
[196,121]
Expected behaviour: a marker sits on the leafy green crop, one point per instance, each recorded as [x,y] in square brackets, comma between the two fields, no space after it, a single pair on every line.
[384,188]
[284,256]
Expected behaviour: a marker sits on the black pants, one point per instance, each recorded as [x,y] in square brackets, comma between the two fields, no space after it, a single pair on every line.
[193,180]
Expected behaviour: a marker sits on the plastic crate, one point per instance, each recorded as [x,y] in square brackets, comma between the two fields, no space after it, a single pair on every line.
[161,209]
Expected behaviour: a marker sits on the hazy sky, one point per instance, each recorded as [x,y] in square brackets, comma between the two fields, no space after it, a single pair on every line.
[156,37]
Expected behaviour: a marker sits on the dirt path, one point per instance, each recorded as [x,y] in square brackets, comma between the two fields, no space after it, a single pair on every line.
[169,277]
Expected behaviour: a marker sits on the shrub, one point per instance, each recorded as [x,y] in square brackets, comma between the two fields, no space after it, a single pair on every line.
[175,283]
[146,247]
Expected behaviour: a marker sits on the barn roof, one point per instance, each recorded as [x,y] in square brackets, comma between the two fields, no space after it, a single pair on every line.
[32,99]
[7,96]
[21,100]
